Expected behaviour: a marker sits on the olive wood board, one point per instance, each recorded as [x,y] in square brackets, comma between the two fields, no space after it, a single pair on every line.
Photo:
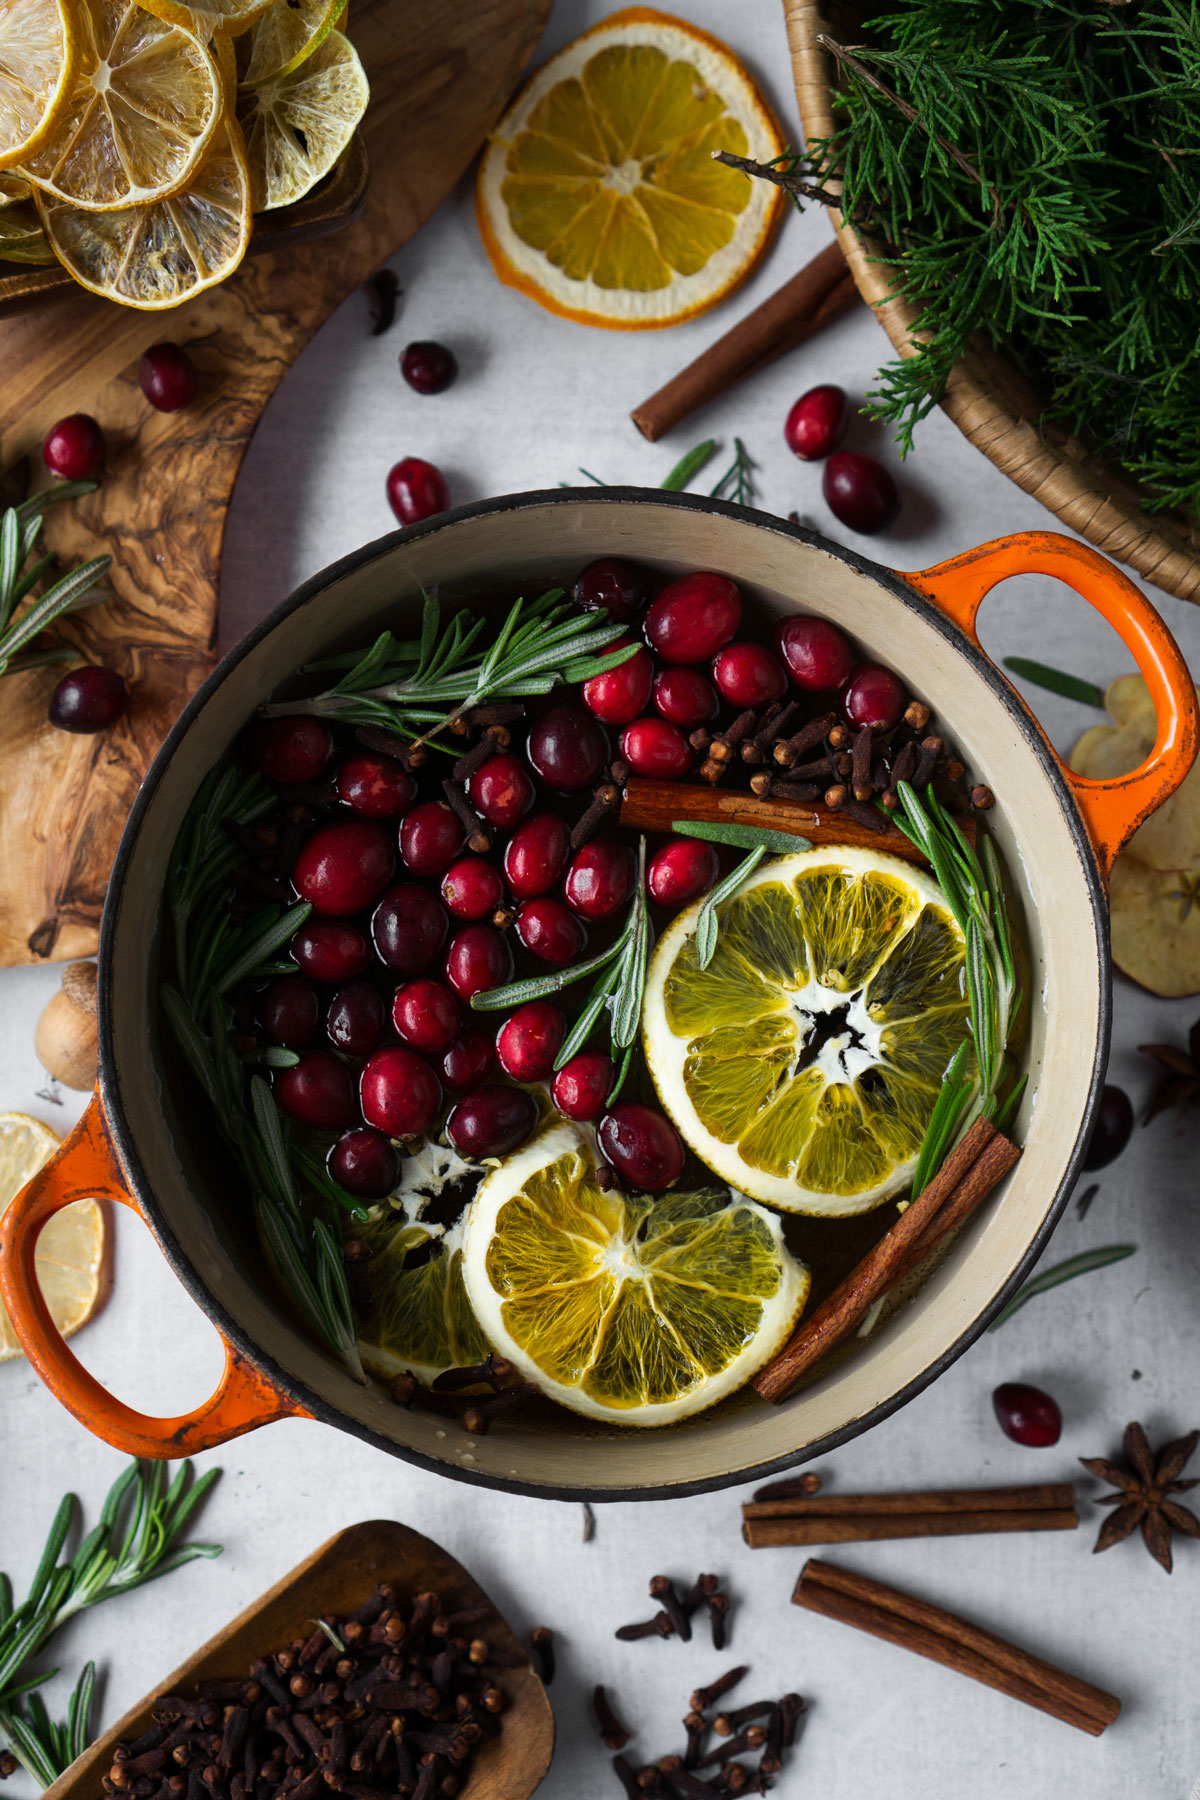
[440,77]
[334,1580]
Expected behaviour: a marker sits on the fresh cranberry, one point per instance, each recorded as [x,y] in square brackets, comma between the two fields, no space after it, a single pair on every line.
[620,587]
[549,932]
[502,791]
[365,1162]
[290,1011]
[747,674]
[74,448]
[817,654]
[643,1147]
[527,1044]
[536,855]
[685,697]
[409,929]
[600,878]
[329,950]
[416,490]
[344,867]
[478,958]
[472,888]
[1026,1414]
[694,617]
[356,1018]
[88,700]
[622,693]
[378,787]
[681,871]
[567,748]
[814,424]
[874,697]
[431,836]
[470,1061]
[427,1015]
[492,1121]
[167,377]
[582,1086]
[860,492]
[398,1092]
[290,750]
[317,1092]
[1111,1132]
[656,749]
[428,367]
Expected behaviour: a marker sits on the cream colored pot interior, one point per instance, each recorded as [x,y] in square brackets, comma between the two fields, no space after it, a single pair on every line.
[533,543]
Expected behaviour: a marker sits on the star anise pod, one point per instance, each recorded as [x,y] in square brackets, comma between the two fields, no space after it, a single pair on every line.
[1142,1498]
[1182,1079]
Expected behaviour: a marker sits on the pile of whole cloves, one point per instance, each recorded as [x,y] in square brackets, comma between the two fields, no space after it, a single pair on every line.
[764,1728]
[674,1619]
[447,1398]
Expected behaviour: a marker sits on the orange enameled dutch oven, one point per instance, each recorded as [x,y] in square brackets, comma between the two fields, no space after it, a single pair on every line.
[147,1142]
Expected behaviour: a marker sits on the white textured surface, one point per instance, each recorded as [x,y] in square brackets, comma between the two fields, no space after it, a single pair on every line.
[536,397]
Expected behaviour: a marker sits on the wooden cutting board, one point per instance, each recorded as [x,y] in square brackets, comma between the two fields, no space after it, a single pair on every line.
[440,76]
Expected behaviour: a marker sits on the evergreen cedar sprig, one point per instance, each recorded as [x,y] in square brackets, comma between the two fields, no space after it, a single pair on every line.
[20,528]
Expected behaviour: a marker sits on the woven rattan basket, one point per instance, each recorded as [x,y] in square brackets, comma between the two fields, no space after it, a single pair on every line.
[989,401]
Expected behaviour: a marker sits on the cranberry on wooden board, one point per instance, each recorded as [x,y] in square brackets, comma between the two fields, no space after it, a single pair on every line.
[528,1042]
[549,932]
[88,700]
[536,855]
[427,1015]
[409,929]
[416,490]
[479,957]
[656,749]
[600,878]
[288,750]
[398,1093]
[817,654]
[470,1061]
[685,697]
[502,790]
[1111,1132]
[622,693]
[431,836]
[167,377]
[356,1018]
[860,492]
[428,367]
[317,1092]
[492,1121]
[290,1011]
[74,448]
[874,696]
[681,871]
[814,424]
[643,1147]
[365,1163]
[621,588]
[694,617]
[329,950]
[378,787]
[747,674]
[344,867]
[582,1086]
[567,748]
[472,888]
[1026,1414]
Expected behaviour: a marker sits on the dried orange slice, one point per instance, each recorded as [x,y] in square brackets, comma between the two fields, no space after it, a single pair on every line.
[598,195]
[39,53]
[70,1257]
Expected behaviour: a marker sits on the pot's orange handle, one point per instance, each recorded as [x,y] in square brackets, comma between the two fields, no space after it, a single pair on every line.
[86,1167]
[1113,809]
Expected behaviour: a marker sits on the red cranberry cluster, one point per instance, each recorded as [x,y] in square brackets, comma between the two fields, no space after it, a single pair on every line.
[858,489]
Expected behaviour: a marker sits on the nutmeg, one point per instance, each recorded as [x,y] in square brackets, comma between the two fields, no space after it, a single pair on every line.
[66,1032]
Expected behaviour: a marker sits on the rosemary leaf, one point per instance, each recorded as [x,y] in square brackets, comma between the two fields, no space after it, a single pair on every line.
[689,466]
[707,922]
[537,987]
[1083,1264]
[1071,687]
[742,837]
[592,1007]
[627,1001]
[263,946]
[619,1081]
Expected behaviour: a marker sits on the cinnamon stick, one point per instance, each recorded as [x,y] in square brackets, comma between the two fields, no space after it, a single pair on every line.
[1051,1496]
[954,1642]
[797,311]
[873,1528]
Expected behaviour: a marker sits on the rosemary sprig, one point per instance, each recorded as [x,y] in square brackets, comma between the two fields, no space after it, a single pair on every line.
[41,1745]
[742,837]
[707,923]
[737,483]
[20,528]
[1057,681]
[684,471]
[1083,1264]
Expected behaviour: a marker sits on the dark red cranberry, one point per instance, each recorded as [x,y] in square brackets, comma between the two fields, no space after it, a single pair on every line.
[378,787]
[600,878]
[479,957]
[685,697]
[1111,1132]
[430,838]
[167,377]
[567,748]
[747,674]
[317,1092]
[88,699]
[620,587]
[293,749]
[356,1018]
[409,929]
[290,1011]
[472,888]
[428,367]
[329,950]
[815,423]
[622,693]
[582,1086]
[860,492]
[492,1121]
[1026,1414]
[344,867]
[74,448]
[681,871]
[527,1044]
[427,1015]
[694,617]
[502,791]
[656,749]
[416,490]
[365,1162]
[470,1061]
[874,697]
[643,1147]
[549,932]
[536,855]
[398,1092]
[817,654]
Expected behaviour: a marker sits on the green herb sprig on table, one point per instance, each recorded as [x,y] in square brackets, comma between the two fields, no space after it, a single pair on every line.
[1083,1264]
[20,528]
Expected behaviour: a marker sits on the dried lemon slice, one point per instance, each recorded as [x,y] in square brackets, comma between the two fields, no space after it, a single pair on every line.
[284,37]
[209,17]
[39,54]
[298,125]
[21,236]
[70,1257]
[156,256]
[142,110]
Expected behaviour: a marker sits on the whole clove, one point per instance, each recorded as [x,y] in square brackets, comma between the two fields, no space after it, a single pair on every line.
[658,1626]
[705,1697]
[478,1418]
[718,1613]
[356,1257]
[662,1589]
[860,773]
[494,1370]
[982,798]
[612,1732]
[725,1724]
[693,1598]
[792,1487]
[390,743]
[789,752]
[604,804]
[383,290]
[494,738]
[542,1640]
[627,1778]
[479,836]
[696,1727]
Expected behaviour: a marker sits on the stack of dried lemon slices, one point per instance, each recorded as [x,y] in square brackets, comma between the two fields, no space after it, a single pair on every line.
[137,140]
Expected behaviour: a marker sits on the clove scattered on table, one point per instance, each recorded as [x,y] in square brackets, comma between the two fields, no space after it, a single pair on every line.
[676,1610]
[764,1729]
